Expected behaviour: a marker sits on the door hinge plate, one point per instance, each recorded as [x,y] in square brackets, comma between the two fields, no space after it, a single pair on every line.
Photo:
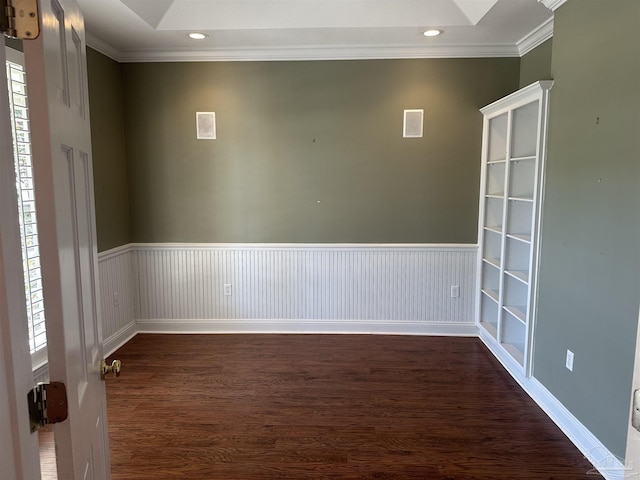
[635,410]
[47,404]
[20,19]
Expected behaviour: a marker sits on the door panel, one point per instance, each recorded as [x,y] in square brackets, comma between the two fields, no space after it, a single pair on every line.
[56,79]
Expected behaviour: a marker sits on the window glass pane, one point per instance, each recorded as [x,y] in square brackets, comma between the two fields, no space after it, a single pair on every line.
[26,205]
[18,87]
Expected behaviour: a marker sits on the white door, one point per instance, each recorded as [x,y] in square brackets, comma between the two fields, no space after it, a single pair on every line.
[632,459]
[61,147]
[18,447]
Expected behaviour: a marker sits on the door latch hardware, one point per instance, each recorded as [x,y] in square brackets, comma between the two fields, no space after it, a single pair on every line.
[47,404]
[635,410]
[19,19]
[114,368]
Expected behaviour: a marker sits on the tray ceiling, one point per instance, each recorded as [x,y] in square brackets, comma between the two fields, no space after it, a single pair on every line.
[156,30]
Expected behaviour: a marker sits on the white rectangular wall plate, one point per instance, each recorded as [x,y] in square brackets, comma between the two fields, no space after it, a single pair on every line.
[206,125]
[413,123]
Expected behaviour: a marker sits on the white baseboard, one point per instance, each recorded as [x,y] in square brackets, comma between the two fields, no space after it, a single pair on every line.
[119,338]
[609,466]
[360,327]
[605,462]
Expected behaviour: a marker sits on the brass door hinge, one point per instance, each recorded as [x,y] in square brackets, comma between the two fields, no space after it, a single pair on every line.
[47,404]
[20,19]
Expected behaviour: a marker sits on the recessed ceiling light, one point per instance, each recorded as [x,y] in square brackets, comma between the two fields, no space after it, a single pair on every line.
[198,35]
[432,32]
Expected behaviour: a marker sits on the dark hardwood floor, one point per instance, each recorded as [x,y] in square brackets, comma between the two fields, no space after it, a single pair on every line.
[326,406]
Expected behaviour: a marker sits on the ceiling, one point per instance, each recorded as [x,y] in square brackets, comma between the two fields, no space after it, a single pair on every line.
[156,30]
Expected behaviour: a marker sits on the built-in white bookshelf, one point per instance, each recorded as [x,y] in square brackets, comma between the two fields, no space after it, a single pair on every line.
[513,154]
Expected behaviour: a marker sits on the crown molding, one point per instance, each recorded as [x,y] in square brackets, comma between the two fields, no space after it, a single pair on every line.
[517,96]
[553,4]
[536,37]
[320,53]
[103,47]
[381,52]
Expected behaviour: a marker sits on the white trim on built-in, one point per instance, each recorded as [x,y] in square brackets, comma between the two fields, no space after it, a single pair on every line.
[515,99]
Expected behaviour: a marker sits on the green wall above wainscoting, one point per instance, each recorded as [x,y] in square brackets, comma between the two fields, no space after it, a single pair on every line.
[536,64]
[308,151]
[109,162]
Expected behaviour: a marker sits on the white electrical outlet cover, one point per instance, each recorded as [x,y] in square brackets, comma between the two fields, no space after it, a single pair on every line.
[569,363]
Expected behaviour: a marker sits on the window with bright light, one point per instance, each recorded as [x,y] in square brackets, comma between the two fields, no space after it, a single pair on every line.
[19,112]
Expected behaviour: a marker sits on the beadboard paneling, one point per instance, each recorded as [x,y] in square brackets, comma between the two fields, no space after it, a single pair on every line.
[407,284]
[117,277]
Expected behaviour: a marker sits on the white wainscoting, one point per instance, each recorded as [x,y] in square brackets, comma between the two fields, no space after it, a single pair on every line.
[117,297]
[292,288]
[305,288]
[115,275]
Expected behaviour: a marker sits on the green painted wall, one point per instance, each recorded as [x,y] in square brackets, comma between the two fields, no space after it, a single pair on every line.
[536,64]
[109,159]
[590,260]
[308,151]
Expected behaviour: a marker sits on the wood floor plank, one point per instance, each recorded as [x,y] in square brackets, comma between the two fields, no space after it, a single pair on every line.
[258,407]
